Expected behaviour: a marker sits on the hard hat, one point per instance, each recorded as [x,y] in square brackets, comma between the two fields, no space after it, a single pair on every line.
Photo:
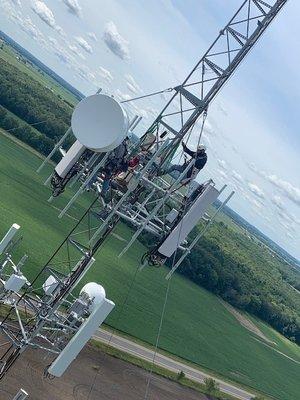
[201,147]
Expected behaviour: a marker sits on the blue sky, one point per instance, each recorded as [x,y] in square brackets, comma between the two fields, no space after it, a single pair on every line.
[132,47]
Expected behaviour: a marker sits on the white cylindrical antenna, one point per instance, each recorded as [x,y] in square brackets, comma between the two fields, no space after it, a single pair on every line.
[21,395]
[22,262]
[5,242]
[136,123]
[58,144]
[133,121]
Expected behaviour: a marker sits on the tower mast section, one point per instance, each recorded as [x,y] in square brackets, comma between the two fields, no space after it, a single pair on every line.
[216,66]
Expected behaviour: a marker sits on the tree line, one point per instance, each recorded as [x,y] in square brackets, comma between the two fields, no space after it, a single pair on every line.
[238,270]
[25,132]
[230,265]
[45,117]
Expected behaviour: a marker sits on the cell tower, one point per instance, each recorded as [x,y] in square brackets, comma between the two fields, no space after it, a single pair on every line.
[169,208]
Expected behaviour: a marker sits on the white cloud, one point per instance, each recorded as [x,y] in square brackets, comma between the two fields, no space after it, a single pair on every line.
[235,149]
[278,202]
[208,128]
[284,215]
[222,164]
[266,218]
[253,201]
[17,2]
[132,84]
[105,74]
[237,176]
[286,225]
[92,78]
[60,31]
[205,138]
[84,44]
[152,111]
[256,203]
[290,191]
[28,26]
[76,51]
[122,96]
[131,88]
[164,97]
[92,36]
[73,48]
[73,7]
[9,10]
[53,41]
[253,167]
[143,113]
[85,73]
[131,107]
[222,174]
[222,109]
[115,42]
[46,15]
[256,190]
[287,216]
[61,53]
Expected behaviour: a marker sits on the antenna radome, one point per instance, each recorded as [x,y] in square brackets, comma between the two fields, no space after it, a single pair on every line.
[100,123]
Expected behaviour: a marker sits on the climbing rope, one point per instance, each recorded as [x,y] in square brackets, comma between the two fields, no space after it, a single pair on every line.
[163,313]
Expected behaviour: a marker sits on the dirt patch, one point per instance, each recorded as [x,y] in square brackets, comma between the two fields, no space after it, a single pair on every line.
[93,375]
[246,323]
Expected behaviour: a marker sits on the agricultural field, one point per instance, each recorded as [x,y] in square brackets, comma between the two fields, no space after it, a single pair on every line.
[197,326]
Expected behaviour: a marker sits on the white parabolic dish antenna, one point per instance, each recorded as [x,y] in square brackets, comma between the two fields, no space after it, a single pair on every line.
[100,123]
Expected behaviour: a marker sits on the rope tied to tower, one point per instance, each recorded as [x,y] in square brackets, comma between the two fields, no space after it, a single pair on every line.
[163,311]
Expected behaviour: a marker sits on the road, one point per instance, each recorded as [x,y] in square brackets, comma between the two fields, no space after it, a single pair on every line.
[166,362]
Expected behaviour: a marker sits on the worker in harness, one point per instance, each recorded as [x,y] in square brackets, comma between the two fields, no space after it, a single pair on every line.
[115,164]
[200,158]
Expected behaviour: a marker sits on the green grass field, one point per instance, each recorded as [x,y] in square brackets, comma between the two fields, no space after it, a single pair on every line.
[197,327]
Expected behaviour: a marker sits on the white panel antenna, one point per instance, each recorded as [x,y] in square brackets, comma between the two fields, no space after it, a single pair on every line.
[189,221]
[71,157]
[100,311]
